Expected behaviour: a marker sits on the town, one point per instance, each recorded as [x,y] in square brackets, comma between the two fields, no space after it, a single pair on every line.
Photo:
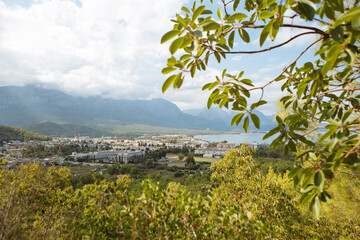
[106,150]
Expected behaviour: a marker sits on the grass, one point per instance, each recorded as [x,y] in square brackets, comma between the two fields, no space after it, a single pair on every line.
[83,169]
[210,160]
[172,156]
[177,164]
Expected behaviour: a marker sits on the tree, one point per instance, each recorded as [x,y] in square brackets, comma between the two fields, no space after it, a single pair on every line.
[181,156]
[190,161]
[319,97]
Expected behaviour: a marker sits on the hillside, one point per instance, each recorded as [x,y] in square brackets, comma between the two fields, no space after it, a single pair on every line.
[214,113]
[24,106]
[55,113]
[107,129]
[8,133]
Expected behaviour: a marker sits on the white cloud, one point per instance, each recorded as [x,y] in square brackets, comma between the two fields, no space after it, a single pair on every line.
[236,58]
[108,47]
[190,95]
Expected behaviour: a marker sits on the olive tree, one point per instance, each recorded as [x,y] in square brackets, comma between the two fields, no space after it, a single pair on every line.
[320,97]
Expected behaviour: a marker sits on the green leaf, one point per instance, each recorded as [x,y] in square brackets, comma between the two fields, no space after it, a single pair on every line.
[246,124]
[258,104]
[307,8]
[351,57]
[275,29]
[349,16]
[237,16]
[265,14]
[325,197]
[171,61]
[271,132]
[247,82]
[174,46]
[197,33]
[292,145]
[236,119]
[209,103]
[206,86]
[332,56]
[167,70]
[206,12]
[219,14]
[224,101]
[305,198]
[319,180]
[265,33]
[231,39]
[306,176]
[236,4]
[169,35]
[178,81]
[295,171]
[192,71]
[197,12]
[210,26]
[168,82]
[337,34]
[185,9]
[315,207]
[244,35]
[355,24]
[327,134]
[181,20]
[255,119]
[307,189]
[217,56]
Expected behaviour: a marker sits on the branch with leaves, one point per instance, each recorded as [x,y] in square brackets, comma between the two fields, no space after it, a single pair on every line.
[322,94]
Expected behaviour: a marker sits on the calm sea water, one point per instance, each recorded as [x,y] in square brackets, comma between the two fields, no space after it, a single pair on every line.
[237,138]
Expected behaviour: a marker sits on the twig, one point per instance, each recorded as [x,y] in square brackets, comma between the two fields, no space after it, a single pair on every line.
[353,149]
[270,48]
[337,90]
[302,53]
[289,26]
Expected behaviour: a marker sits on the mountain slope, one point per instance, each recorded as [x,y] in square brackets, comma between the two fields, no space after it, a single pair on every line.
[215,113]
[23,106]
[8,133]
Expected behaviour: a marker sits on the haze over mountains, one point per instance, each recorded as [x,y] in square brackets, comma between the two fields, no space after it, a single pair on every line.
[31,107]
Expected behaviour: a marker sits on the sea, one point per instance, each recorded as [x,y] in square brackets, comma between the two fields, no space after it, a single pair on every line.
[237,138]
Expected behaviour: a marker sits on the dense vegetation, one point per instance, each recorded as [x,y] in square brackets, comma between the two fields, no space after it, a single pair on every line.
[108,128]
[8,133]
[38,204]
[61,150]
[320,96]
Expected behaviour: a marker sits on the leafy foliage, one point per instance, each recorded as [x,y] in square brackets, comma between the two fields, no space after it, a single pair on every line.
[8,133]
[319,95]
[41,204]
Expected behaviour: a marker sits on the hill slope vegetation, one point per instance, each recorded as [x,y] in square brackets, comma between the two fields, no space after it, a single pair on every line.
[8,133]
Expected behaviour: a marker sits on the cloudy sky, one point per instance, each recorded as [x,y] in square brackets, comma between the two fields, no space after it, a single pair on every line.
[112,48]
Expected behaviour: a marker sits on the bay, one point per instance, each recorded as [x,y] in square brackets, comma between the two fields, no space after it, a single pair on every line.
[237,138]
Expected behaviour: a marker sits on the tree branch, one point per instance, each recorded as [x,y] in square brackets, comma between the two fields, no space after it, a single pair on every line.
[337,90]
[270,48]
[302,53]
[353,149]
[319,31]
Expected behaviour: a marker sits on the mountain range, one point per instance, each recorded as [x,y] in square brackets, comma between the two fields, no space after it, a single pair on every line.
[32,107]
[267,122]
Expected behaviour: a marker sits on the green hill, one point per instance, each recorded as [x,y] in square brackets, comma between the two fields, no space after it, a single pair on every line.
[8,133]
[107,128]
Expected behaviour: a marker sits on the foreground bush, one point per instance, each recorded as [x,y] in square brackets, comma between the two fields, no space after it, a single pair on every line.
[38,204]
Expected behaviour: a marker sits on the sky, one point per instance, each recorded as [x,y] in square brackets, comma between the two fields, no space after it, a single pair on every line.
[112,48]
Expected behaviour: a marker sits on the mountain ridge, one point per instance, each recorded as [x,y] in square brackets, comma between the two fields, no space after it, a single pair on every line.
[30,105]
